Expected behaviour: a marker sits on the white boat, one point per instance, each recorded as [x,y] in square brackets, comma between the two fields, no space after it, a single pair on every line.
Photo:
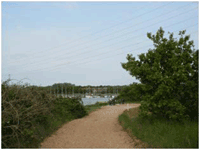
[88,96]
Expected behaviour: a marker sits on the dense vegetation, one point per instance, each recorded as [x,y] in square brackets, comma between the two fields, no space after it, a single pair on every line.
[169,77]
[69,88]
[153,132]
[131,93]
[168,115]
[30,114]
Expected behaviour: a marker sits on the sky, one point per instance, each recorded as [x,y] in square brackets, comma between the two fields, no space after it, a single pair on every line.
[84,43]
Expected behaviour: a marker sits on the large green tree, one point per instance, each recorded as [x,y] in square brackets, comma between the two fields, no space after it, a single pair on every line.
[169,73]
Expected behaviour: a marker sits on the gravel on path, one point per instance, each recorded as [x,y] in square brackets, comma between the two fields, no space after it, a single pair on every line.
[100,129]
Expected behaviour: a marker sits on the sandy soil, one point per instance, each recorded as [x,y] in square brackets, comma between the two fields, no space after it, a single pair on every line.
[100,129]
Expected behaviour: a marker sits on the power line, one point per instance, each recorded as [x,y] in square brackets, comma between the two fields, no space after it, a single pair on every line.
[131,38]
[116,54]
[101,30]
[106,53]
[98,59]
[111,55]
[99,54]
[101,37]
[106,36]
[126,34]
[146,27]
[125,46]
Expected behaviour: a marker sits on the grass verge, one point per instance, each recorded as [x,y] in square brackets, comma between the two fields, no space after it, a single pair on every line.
[153,132]
[97,105]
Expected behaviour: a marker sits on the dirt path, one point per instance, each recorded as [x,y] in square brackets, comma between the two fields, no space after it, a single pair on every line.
[100,129]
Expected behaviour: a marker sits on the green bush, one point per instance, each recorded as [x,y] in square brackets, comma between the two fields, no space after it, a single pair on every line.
[169,77]
[30,114]
[72,105]
[131,93]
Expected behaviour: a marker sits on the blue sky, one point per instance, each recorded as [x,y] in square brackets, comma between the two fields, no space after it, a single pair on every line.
[84,43]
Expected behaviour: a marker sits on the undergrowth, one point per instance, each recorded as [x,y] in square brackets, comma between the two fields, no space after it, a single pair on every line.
[30,114]
[159,132]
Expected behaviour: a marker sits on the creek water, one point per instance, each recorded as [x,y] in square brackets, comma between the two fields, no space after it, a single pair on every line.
[90,101]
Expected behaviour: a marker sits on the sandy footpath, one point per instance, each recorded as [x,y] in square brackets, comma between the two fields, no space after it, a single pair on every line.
[100,129]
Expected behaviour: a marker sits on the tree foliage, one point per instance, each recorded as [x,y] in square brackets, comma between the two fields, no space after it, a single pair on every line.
[131,93]
[169,73]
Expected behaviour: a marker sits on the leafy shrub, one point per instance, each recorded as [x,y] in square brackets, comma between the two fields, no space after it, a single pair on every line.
[29,114]
[169,76]
[73,105]
[131,93]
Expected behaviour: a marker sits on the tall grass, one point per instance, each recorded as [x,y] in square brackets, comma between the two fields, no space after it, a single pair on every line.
[30,114]
[159,132]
